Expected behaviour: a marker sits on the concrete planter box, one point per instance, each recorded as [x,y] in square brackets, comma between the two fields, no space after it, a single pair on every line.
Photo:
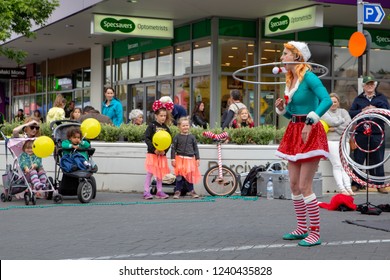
[121,165]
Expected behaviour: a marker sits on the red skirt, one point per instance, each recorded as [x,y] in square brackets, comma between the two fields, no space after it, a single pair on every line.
[157,165]
[292,147]
[188,168]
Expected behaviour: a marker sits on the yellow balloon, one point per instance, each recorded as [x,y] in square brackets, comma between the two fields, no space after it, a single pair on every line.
[43,146]
[90,128]
[161,140]
[325,125]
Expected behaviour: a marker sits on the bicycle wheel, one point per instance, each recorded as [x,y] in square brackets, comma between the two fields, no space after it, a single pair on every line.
[220,186]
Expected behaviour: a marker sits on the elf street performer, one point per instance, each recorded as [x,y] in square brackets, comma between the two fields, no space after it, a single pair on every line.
[304,142]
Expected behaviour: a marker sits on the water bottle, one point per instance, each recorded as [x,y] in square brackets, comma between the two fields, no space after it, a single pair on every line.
[270,189]
[245,191]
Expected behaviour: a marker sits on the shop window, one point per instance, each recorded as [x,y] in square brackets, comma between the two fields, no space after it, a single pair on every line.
[135,66]
[107,73]
[165,61]
[122,69]
[201,93]
[182,59]
[182,92]
[165,88]
[202,56]
[236,54]
[149,64]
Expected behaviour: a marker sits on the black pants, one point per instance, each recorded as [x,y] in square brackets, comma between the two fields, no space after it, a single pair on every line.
[182,185]
[373,157]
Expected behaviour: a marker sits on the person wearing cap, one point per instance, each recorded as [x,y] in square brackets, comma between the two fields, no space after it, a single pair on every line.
[369,99]
[304,142]
[112,107]
[136,117]
[177,112]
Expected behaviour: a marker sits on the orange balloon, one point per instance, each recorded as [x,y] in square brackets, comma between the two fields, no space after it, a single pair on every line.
[357,44]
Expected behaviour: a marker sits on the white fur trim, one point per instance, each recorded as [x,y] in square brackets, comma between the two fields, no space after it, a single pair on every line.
[302,48]
[281,112]
[312,115]
[297,197]
[310,198]
[300,156]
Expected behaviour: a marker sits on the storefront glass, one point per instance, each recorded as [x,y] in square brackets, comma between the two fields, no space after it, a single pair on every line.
[165,61]
[182,59]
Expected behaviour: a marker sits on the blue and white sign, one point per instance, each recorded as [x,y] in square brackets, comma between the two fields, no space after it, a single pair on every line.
[372,13]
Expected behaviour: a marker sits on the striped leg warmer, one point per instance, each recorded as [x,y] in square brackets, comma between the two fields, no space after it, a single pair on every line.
[300,212]
[313,211]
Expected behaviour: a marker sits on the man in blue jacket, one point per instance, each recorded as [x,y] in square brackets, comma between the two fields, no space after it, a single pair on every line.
[178,110]
[369,99]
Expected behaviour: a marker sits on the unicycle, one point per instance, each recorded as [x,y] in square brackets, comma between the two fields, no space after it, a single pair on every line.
[219,180]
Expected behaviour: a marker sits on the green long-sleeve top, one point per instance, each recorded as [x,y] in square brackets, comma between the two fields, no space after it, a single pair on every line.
[68,148]
[26,160]
[311,95]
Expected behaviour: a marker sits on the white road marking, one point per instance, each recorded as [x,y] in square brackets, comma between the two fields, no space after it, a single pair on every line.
[237,248]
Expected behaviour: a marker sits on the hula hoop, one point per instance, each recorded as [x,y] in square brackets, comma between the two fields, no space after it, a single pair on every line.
[349,164]
[274,63]
[382,134]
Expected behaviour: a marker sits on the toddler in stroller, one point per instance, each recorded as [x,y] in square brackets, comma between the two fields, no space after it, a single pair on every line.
[24,177]
[73,156]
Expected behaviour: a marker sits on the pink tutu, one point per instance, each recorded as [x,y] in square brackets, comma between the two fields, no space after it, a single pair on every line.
[292,147]
[188,168]
[157,165]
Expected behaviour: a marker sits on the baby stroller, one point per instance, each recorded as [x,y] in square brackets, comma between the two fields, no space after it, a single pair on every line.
[79,182]
[15,182]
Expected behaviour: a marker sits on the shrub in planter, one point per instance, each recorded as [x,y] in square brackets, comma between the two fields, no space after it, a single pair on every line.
[109,133]
[133,133]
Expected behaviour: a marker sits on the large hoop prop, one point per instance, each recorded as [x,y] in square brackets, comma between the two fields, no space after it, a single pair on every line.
[349,165]
[270,64]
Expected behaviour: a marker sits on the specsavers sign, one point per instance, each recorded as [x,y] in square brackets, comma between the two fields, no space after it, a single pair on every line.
[132,26]
[307,18]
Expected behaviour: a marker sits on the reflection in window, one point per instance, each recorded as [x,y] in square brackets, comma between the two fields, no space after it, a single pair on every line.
[202,56]
[122,69]
[345,65]
[165,88]
[107,73]
[149,64]
[182,60]
[236,54]
[135,66]
[182,90]
[201,90]
[137,93]
[165,61]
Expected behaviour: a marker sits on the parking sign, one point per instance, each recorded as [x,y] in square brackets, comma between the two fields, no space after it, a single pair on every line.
[373,13]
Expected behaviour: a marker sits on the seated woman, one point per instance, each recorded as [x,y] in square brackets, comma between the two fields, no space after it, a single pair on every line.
[243,119]
[29,129]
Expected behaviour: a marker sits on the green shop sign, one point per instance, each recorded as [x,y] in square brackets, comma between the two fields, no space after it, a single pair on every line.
[303,19]
[132,26]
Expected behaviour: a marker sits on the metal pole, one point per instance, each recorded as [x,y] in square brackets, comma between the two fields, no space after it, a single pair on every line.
[360,19]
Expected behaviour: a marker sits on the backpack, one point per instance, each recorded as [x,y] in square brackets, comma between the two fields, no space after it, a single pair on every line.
[249,187]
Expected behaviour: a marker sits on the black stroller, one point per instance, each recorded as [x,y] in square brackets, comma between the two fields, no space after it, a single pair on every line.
[80,182]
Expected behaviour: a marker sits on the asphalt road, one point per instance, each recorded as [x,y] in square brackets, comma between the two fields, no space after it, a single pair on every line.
[122,226]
